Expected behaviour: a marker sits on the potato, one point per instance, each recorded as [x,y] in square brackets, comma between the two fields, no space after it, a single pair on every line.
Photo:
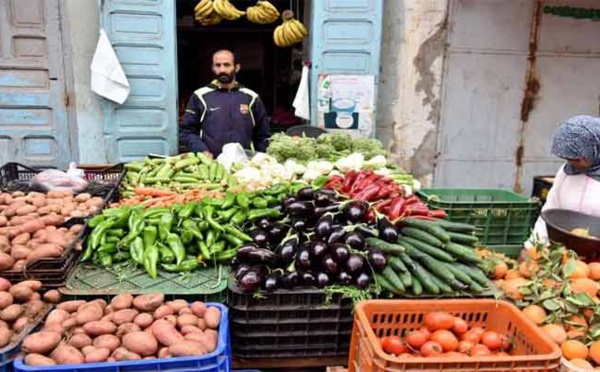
[121,354]
[165,332]
[70,306]
[6,299]
[98,328]
[171,319]
[198,309]
[212,317]
[6,261]
[57,316]
[195,336]
[185,310]
[52,296]
[19,252]
[201,324]
[211,339]
[70,323]
[21,239]
[100,302]
[148,302]
[143,320]
[164,352]
[89,313]
[186,348]
[126,328]
[12,312]
[53,219]
[97,355]
[41,342]
[140,343]
[36,296]
[124,316]
[20,324]
[189,329]
[163,311]
[187,319]
[87,349]
[38,360]
[5,336]
[3,221]
[45,251]
[4,284]
[34,307]
[19,265]
[54,327]
[110,342]
[57,238]
[80,340]
[67,354]
[35,285]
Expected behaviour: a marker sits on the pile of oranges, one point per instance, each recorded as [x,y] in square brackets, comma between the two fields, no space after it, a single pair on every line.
[444,335]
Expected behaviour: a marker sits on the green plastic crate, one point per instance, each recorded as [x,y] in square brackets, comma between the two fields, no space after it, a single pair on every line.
[505,218]
[90,281]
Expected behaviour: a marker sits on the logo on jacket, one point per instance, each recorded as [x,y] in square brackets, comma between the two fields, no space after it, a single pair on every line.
[213,108]
[244,109]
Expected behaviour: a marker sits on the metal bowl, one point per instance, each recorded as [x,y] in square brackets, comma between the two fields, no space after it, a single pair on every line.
[560,223]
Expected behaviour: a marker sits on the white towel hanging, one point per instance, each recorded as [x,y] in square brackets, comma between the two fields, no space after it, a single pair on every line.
[301,102]
[108,77]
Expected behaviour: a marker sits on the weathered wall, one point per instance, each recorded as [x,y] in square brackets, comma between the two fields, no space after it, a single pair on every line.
[414,36]
[83,18]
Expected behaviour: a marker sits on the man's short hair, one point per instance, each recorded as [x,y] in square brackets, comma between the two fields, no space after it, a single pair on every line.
[212,57]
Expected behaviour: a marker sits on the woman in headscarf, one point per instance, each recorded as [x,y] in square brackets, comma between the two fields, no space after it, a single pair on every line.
[577,184]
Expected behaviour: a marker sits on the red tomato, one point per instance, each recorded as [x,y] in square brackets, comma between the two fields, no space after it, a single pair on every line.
[393,345]
[439,320]
[431,349]
[416,339]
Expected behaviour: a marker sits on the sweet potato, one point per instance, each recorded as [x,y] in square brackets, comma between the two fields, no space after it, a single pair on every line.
[121,354]
[3,221]
[126,328]
[70,306]
[148,302]
[45,251]
[143,320]
[34,307]
[19,252]
[57,238]
[20,323]
[198,309]
[110,342]
[97,355]
[19,220]
[185,310]
[164,352]
[162,311]
[5,336]
[11,313]
[76,229]
[21,239]
[80,340]
[19,265]
[195,336]
[35,285]
[45,209]
[4,243]
[30,226]
[124,316]
[54,327]
[171,319]
[70,323]
[140,343]
[89,313]
[4,284]
[6,299]
[36,296]
[187,319]
[38,360]
[201,324]
[41,342]
[78,330]
[211,338]
[186,348]
[189,329]
[52,296]
[98,328]
[25,210]
[57,316]
[165,332]
[6,261]
[67,354]
[38,202]
[212,317]
[100,302]
[12,208]
[52,219]
[21,292]
[87,349]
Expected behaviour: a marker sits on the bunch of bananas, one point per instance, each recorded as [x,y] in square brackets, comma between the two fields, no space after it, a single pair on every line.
[290,32]
[262,13]
[226,10]
[204,13]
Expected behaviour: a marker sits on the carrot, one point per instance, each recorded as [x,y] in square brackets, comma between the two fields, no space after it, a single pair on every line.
[148,191]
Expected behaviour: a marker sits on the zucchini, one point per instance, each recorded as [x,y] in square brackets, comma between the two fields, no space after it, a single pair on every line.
[431,227]
[459,274]
[463,238]
[421,235]
[386,247]
[385,284]
[416,287]
[401,269]
[426,248]
[475,273]
[462,253]
[426,279]
[457,227]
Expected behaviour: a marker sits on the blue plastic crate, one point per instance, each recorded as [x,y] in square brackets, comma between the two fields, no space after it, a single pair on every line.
[217,361]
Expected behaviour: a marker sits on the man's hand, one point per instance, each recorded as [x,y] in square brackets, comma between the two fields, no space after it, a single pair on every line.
[208,154]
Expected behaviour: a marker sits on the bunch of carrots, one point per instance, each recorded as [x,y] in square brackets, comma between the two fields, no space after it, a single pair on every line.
[149,197]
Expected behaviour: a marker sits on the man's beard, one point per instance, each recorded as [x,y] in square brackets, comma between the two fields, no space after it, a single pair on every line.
[226,78]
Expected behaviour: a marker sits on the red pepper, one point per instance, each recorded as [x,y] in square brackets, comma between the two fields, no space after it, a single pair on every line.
[416,210]
[357,182]
[425,218]
[349,180]
[367,181]
[380,205]
[368,194]
[387,190]
[412,200]
[439,214]
[396,208]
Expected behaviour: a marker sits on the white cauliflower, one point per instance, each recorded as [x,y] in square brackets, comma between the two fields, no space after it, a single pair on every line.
[378,161]
[353,161]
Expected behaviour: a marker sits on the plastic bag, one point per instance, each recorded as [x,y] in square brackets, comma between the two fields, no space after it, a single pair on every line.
[232,153]
[53,179]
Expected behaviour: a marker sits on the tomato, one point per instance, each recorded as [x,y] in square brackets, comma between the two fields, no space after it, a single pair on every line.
[393,345]
[416,339]
[505,343]
[465,347]
[480,350]
[439,320]
[492,340]
[445,338]
[460,326]
[478,331]
[426,332]
[431,349]
[471,337]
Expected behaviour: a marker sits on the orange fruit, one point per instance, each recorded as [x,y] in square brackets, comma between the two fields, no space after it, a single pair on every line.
[572,349]
[581,270]
[584,285]
[513,288]
[533,253]
[555,332]
[445,338]
[595,352]
[594,270]
[528,269]
[581,363]
[439,320]
[576,323]
[588,313]
[512,274]
[535,313]
[500,270]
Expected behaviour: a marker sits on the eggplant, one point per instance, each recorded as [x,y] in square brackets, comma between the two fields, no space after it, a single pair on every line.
[355,240]
[272,281]
[339,252]
[318,249]
[387,231]
[308,278]
[330,265]
[344,278]
[377,259]
[250,282]
[299,208]
[299,225]
[327,209]
[327,192]
[264,224]
[286,252]
[290,280]
[278,208]
[324,200]
[367,232]
[323,227]
[235,262]
[336,235]
[303,259]
[276,232]
[355,211]
[241,271]
[257,255]
[243,253]
[362,281]
[289,200]
[322,280]
[305,193]
[260,237]
[355,263]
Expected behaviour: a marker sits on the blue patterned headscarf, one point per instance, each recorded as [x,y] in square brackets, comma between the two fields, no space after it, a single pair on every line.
[579,138]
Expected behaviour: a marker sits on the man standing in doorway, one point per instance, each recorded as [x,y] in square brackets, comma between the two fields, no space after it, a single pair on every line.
[224,111]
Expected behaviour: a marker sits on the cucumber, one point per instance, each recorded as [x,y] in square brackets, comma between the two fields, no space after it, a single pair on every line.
[444,288]
[436,267]
[417,288]
[463,238]
[474,287]
[426,279]
[463,253]
[459,274]
[401,269]
[475,273]
[385,284]
[421,235]
[431,227]
[386,247]
[457,227]
[426,248]
[393,278]
[407,261]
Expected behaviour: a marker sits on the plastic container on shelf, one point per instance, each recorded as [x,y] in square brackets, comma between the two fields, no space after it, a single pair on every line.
[217,361]
[378,318]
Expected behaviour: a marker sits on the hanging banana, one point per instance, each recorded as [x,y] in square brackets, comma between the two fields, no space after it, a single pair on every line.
[226,10]
[204,13]
[290,32]
[262,13]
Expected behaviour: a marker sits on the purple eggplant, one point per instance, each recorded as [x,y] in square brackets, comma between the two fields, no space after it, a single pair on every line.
[251,281]
[330,265]
[387,231]
[290,280]
[328,209]
[322,280]
[303,261]
[287,251]
[355,240]
[289,200]
[324,200]
[308,278]
[355,211]
[243,253]
[339,252]
[336,236]
[241,271]
[260,237]
[235,262]
[318,249]
[253,255]
[299,225]
[323,226]
[305,193]
[367,232]
[344,278]
[276,233]
[362,280]
[264,224]
[300,208]
[377,259]
[355,263]
[272,281]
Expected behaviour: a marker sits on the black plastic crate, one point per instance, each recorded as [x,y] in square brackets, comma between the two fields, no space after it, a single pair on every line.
[541,187]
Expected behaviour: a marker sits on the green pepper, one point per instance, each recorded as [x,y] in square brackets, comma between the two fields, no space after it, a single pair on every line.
[212,171]
[213,202]
[270,199]
[164,171]
[111,239]
[121,256]
[166,255]
[227,255]
[239,218]
[99,231]
[186,162]
[234,240]
[203,172]
[136,250]
[237,233]
[105,259]
[259,202]
[203,249]
[185,266]
[152,180]
[89,249]
[202,226]
[229,200]
[151,260]
[137,224]
[122,218]
[227,214]
[187,236]
[164,228]
[276,189]
[297,186]
[242,200]
[119,233]
[209,218]
[177,247]
[153,221]
[259,213]
[185,179]
[134,166]
[204,159]
[186,211]
[210,238]
[155,212]
[199,211]
[220,172]
[96,220]
[217,247]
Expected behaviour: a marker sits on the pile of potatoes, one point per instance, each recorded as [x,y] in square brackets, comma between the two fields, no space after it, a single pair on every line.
[20,306]
[129,328]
